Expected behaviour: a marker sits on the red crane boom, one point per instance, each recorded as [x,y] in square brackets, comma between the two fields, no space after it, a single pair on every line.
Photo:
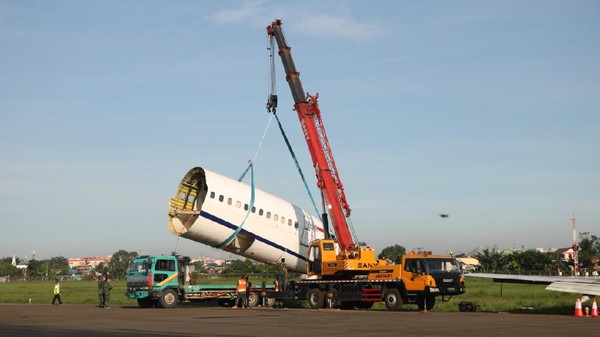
[309,114]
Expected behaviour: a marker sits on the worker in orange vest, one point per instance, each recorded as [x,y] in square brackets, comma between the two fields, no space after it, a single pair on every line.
[241,293]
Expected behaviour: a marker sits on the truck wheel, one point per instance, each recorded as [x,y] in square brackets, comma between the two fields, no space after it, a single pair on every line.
[270,302]
[392,299]
[426,302]
[168,299]
[146,302]
[252,299]
[316,298]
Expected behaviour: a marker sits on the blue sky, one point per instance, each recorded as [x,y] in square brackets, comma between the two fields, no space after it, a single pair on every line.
[487,111]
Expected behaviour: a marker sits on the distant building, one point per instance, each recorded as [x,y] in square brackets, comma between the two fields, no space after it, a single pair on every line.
[84,265]
[468,264]
[20,266]
[209,261]
[566,254]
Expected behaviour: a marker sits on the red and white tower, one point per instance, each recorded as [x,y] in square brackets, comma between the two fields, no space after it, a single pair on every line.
[575,255]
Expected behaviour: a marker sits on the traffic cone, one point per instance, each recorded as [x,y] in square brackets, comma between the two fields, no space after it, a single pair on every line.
[578,310]
[594,309]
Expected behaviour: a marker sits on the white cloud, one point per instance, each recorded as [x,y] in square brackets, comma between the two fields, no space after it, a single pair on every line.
[331,25]
[300,19]
[248,11]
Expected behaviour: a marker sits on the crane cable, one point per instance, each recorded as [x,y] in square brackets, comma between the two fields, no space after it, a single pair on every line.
[289,146]
[272,107]
[251,162]
[252,188]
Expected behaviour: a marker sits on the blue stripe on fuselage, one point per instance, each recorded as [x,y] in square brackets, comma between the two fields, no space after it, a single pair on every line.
[231,226]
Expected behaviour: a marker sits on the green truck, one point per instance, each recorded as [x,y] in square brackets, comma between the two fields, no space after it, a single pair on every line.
[164,281]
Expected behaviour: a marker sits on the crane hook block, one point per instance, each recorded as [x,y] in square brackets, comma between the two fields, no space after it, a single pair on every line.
[272,103]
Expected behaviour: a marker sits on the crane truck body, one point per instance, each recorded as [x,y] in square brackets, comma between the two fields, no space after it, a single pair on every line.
[343,272]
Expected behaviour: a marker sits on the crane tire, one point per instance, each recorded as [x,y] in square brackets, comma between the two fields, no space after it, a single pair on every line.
[392,299]
[316,298]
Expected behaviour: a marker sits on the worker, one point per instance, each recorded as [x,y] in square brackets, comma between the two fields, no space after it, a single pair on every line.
[100,286]
[56,293]
[247,299]
[240,292]
[106,288]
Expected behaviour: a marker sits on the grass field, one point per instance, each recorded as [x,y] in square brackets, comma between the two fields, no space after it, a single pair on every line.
[491,297]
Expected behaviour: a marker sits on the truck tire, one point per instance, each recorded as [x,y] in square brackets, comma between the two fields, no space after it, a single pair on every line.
[168,299]
[146,302]
[426,302]
[392,299]
[252,299]
[316,298]
[271,302]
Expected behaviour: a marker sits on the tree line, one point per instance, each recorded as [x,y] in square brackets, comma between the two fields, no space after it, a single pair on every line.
[118,267]
[59,266]
[491,261]
[494,261]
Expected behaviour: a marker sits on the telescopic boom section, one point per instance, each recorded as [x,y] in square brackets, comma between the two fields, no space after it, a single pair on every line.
[309,115]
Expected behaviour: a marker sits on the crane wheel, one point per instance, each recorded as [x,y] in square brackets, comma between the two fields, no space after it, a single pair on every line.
[392,299]
[316,298]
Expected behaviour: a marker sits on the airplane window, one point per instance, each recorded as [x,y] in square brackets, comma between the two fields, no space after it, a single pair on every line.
[245,207]
[260,211]
[238,204]
[221,198]
[275,217]
[229,201]
[296,224]
[289,222]
[253,209]
[283,220]
[268,215]
[212,195]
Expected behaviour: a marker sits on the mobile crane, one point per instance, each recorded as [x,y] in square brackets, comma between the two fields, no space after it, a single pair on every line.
[343,272]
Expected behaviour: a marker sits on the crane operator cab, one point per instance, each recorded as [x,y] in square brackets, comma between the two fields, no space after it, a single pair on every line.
[326,259]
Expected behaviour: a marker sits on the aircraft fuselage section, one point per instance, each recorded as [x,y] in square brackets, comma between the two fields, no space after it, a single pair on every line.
[215,210]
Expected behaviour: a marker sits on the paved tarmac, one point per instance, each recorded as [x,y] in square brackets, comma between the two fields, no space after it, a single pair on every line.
[87,320]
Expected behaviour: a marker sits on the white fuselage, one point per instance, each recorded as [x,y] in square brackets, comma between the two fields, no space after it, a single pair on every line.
[274,230]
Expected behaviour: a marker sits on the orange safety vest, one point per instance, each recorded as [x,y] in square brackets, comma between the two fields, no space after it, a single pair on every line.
[241,287]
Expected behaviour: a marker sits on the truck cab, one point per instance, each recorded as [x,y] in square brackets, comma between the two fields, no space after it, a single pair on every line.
[427,276]
[435,274]
[154,280]
[420,279]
